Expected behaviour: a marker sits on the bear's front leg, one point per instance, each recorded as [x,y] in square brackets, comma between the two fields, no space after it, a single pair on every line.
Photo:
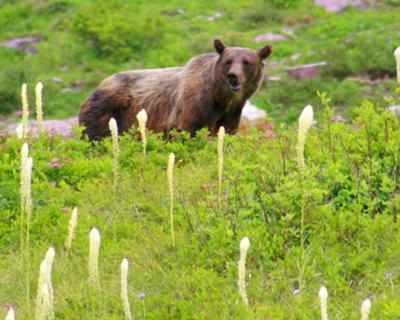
[194,117]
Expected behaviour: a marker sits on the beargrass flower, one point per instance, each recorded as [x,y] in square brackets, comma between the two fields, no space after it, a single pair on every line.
[25,110]
[49,257]
[19,131]
[10,314]
[45,310]
[115,149]
[39,106]
[142,119]
[94,248]
[73,221]
[221,134]
[170,177]
[306,120]
[244,247]
[323,298]
[43,277]
[365,309]
[124,288]
[397,57]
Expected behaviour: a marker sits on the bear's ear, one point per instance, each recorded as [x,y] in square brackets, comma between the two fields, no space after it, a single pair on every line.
[219,46]
[264,52]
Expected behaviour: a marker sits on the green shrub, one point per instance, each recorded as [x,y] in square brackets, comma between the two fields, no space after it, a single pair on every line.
[119,29]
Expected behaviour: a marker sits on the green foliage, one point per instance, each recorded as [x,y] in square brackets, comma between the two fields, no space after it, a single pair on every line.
[349,195]
[120,29]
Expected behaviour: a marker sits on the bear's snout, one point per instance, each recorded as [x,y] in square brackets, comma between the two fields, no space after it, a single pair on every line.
[234,82]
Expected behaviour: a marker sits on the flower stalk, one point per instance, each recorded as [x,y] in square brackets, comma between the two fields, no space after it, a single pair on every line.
[221,134]
[39,107]
[170,177]
[244,247]
[25,110]
[45,306]
[142,119]
[115,149]
[323,299]
[124,288]
[306,120]
[94,248]
[365,309]
[10,314]
[397,57]
[73,222]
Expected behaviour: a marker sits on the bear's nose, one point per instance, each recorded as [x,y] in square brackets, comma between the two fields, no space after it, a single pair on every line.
[232,78]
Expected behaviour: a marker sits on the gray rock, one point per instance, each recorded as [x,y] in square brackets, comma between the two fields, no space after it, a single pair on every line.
[57,79]
[251,113]
[339,119]
[340,5]
[56,127]
[22,44]
[269,37]
[305,71]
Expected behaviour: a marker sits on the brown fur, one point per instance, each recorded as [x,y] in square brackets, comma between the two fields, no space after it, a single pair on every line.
[210,91]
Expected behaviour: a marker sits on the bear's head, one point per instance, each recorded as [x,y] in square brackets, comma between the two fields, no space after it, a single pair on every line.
[240,67]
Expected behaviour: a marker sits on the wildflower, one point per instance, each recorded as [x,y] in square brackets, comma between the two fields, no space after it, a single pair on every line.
[46,306]
[397,56]
[124,288]
[54,163]
[39,105]
[10,314]
[365,309]
[73,221]
[94,249]
[115,147]
[141,295]
[49,257]
[25,110]
[142,119]
[323,297]
[306,120]
[19,131]
[43,276]
[244,247]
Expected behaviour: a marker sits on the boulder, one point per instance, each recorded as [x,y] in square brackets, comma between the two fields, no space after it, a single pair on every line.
[340,5]
[305,71]
[269,37]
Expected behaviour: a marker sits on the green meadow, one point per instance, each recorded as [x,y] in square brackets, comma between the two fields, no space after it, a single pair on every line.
[331,222]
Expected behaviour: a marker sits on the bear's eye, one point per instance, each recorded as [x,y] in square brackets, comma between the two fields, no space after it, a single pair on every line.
[228,62]
[246,62]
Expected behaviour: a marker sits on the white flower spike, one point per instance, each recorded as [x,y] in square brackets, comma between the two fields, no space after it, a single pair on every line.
[244,247]
[306,120]
[365,309]
[323,298]
[94,249]
[124,288]
[397,57]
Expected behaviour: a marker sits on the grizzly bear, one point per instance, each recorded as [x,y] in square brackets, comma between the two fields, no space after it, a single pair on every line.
[209,92]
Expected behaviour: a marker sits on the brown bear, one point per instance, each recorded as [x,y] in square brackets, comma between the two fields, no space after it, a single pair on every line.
[209,92]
